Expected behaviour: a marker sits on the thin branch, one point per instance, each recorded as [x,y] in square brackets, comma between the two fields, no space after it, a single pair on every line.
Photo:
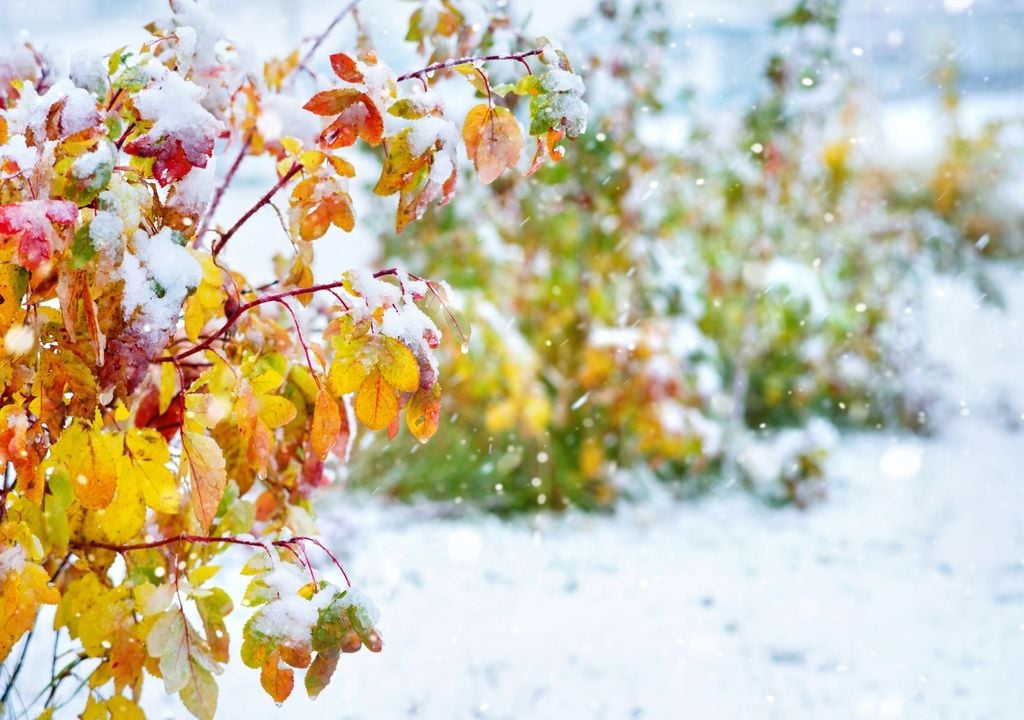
[208,539]
[223,239]
[242,309]
[222,188]
[446,64]
[19,665]
[323,36]
[302,340]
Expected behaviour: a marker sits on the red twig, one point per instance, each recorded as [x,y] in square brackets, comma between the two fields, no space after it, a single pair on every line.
[208,539]
[222,188]
[302,340]
[323,36]
[242,309]
[223,239]
[445,64]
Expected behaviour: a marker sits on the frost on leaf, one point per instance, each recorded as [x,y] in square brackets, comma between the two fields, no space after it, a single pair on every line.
[182,132]
[30,225]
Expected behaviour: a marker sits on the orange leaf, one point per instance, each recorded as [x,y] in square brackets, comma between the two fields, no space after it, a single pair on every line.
[376,402]
[332,102]
[278,681]
[206,464]
[345,68]
[357,117]
[422,412]
[326,423]
[494,140]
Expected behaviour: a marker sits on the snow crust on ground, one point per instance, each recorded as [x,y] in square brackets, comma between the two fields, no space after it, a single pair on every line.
[902,596]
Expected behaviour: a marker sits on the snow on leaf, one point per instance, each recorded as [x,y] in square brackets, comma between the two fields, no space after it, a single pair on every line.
[31,223]
[183,131]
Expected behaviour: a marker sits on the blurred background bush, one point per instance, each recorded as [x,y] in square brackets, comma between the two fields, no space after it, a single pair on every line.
[705,291]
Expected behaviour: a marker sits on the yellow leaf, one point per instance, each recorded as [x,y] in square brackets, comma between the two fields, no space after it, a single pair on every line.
[145,463]
[399,366]
[206,466]
[126,513]
[275,410]
[121,708]
[91,458]
[207,301]
[21,594]
[376,402]
[346,375]
[326,423]
[168,385]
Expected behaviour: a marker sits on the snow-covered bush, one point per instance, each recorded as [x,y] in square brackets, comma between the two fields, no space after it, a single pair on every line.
[679,304]
[157,407]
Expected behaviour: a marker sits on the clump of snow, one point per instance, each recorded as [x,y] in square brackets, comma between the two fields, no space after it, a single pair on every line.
[32,111]
[86,165]
[192,194]
[89,72]
[157,279]
[17,150]
[106,231]
[374,291]
[79,112]
[557,80]
[173,103]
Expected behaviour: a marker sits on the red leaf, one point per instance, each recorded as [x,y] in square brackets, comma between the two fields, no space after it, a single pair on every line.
[172,159]
[345,68]
[357,117]
[31,222]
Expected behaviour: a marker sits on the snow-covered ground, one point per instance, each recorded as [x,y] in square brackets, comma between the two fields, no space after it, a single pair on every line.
[900,597]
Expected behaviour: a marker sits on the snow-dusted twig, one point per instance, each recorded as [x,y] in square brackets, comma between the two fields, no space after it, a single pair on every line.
[446,64]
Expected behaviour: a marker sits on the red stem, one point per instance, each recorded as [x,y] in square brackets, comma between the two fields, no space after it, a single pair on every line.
[323,36]
[208,539]
[445,64]
[223,239]
[222,188]
[242,309]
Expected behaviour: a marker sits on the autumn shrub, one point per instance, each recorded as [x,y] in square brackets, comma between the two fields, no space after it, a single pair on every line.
[711,309]
[157,408]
